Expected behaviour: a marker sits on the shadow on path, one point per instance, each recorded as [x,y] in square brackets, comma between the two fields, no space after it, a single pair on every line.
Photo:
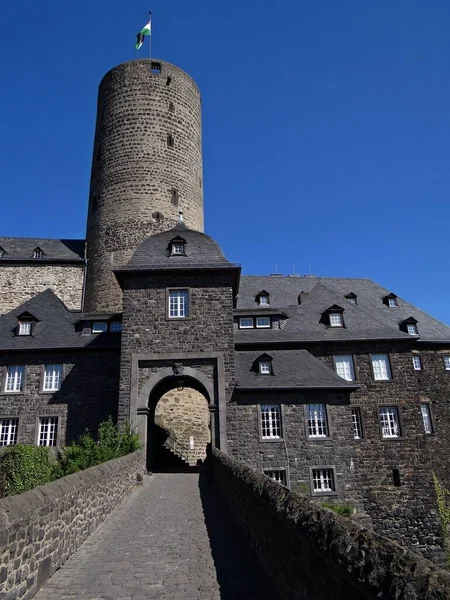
[239,574]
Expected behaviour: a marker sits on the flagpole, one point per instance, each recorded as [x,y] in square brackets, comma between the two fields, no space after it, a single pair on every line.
[150,36]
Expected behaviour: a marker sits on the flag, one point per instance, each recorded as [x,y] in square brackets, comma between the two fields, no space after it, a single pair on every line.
[145,31]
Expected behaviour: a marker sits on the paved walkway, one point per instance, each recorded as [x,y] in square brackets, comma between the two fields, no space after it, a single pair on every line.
[172,538]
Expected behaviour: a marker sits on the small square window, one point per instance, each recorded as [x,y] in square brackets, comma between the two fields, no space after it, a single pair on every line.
[336,320]
[270,422]
[389,420]
[115,326]
[426,417]
[265,368]
[323,481]
[8,431]
[48,430]
[446,359]
[52,378]
[357,423]
[178,304]
[411,328]
[99,327]
[316,415]
[14,378]
[245,323]
[264,300]
[344,367]
[417,363]
[381,367]
[278,475]
[177,249]
[24,328]
[392,302]
[263,322]
[155,68]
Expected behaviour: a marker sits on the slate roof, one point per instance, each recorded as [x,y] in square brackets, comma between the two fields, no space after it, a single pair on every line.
[200,249]
[55,327]
[369,319]
[21,250]
[291,369]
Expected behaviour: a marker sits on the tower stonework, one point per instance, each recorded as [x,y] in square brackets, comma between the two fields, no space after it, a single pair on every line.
[146,167]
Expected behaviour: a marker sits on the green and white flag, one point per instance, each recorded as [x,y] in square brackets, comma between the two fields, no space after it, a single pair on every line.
[145,32]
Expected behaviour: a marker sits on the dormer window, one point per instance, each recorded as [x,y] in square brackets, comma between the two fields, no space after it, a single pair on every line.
[391,300]
[263,298]
[336,319]
[333,316]
[352,298]
[177,247]
[2,252]
[24,327]
[265,367]
[409,326]
[38,253]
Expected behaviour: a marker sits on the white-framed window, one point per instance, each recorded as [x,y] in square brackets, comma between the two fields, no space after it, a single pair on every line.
[24,328]
[411,328]
[389,420]
[426,417]
[265,367]
[417,363]
[323,480]
[278,475]
[446,359]
[336,319]
[264,300]
[262,322]
[178,304]
[344,367]
[99,327]
[316,415]
[52,378]
[14,378]
[115,326]
[8,431]
[381,367]
[357,423]
[48,431]
[270,422]
[392,302]
[245,323]
[38,253]
[177,248]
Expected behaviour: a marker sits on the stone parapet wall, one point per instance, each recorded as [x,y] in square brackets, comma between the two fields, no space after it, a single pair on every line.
[41,529]
[309,552]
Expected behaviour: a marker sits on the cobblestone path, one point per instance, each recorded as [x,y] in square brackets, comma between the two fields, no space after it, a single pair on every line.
[172,538]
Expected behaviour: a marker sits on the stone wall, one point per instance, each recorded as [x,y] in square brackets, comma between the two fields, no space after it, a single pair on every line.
[135,172]
[19,283]
[41,529]
[309,552]
[88,393]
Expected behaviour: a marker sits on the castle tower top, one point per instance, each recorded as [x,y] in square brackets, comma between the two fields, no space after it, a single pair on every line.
[146,167]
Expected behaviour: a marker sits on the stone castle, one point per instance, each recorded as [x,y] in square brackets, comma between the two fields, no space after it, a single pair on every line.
[334,387]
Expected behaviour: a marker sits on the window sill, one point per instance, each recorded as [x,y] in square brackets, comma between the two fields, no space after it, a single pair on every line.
[5,393]
[322,494]
[271,440]
[318,439]
[393,439]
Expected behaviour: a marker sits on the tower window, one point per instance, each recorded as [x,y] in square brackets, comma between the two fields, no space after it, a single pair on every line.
[168,80]
[174,197]
[171,107]
[155,67]
[170,140]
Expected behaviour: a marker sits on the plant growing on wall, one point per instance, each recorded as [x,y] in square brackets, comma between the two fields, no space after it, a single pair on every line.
[23,467]
[442,495]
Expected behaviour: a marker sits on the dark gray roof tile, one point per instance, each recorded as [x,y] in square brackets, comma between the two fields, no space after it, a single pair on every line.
[21,249]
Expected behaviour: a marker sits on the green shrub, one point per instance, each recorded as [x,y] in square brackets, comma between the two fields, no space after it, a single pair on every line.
[23,467]
[340,509]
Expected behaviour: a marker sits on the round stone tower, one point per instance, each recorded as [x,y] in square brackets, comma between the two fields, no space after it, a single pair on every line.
[146,167]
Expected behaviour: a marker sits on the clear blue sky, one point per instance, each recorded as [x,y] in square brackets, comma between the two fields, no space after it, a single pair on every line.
[326,127]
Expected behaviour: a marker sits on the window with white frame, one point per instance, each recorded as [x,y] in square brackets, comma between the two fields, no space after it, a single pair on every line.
[426,417]
[411,328]
[178,304]
[265,367]
[8,431]
[316,415]
[177,248]
[381,367]
[357,423]
[417,363]
[389,420]
[446,359]
[336,319]
[38,253]
[245,323]
[323,481]
[48,431]
[344,367]
[263,300]
[262,322]
[24,328]
[392,302]
[277,475]
[14,378]
[52,378]
[99,327]
[115,326]
[270,422]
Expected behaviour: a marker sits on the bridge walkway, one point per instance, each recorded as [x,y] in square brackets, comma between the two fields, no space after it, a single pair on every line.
[172,538]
